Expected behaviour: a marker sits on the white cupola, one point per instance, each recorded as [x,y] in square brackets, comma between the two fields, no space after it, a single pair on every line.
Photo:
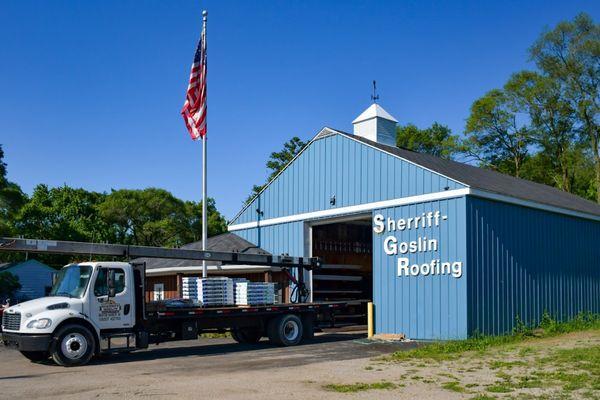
[377,125]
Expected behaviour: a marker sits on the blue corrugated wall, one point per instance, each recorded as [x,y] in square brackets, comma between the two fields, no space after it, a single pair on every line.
[34,278]
[525,261]
[352,171]
[422,307]
[277,239]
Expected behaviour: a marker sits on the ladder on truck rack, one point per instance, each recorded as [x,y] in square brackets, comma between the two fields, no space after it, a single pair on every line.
[127,251]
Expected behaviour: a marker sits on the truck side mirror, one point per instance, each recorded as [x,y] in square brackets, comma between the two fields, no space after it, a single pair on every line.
[110,283]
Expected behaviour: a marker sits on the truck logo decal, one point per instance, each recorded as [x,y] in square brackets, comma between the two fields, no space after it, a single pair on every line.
[109,311]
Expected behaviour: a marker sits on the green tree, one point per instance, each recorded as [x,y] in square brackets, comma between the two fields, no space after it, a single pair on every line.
[9,284]
[552,117]
[63,213]
[570,54]
[437,140]
[277,162]
[12,199]
[497,135]
[154,217]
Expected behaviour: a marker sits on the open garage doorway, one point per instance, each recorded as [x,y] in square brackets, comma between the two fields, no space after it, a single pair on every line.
[346,248]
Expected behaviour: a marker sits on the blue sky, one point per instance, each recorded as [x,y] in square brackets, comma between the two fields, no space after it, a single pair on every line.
[90,93]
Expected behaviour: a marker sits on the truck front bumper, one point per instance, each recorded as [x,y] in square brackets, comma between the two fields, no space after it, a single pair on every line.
[27,342]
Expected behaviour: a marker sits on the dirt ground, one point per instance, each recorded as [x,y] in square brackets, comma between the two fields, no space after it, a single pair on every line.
[223,369]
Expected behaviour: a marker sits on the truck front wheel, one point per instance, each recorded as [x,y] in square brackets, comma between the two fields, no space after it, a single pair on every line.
[73,345]
[285,330]
[36,356]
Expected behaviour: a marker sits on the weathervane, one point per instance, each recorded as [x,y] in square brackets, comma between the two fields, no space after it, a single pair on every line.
[374,96]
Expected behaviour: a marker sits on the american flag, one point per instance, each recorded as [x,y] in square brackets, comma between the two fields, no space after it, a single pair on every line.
[194,108]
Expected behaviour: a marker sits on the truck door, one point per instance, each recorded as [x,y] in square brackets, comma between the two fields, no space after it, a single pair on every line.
[113,312]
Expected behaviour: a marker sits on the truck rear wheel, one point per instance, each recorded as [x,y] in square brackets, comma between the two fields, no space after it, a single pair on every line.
[73,345]
[246,335]
[285,330]
[36,356]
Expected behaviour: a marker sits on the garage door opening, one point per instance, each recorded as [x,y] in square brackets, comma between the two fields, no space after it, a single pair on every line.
[346,249]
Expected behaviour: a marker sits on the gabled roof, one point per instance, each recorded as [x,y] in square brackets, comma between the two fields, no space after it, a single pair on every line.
[488,180]
[375,110]
[17,264]
[468,175]
[228,242]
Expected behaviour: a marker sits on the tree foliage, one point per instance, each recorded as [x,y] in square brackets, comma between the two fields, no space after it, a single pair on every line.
[277,162]
[154,217]
[11,199]
[544,125]
[570,55]
[150,217]
[437,140]
[497,135]
[9,284]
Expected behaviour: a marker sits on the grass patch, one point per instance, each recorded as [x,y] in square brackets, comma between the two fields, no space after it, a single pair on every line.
[360,387]
[454,386]
[451,350]
[482,397]
[506,364]
[215,335]
[500,387]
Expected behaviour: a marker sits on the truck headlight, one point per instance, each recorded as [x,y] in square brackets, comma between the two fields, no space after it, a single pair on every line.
[41,323]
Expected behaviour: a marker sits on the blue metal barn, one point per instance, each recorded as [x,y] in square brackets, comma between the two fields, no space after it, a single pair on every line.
[453,249]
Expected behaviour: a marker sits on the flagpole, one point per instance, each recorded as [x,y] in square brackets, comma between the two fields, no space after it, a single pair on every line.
[204,165]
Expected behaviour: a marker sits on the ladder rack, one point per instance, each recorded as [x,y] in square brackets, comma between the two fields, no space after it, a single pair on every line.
[128,252]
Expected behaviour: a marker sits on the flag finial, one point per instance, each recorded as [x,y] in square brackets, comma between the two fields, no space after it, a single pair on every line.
[204,14]
[374,96]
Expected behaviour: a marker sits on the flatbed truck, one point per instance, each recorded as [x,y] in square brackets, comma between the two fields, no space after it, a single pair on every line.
[99,307]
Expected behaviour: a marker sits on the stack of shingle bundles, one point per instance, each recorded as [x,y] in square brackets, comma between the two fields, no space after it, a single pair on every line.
[254,293]
[189,288]
[215,291]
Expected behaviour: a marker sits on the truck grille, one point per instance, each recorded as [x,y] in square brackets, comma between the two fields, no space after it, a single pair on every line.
[11,322]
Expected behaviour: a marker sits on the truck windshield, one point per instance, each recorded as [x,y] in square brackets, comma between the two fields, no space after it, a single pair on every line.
[72,281]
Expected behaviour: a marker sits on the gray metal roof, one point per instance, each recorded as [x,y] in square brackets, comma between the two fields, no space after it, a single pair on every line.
[488,180]
[228,242]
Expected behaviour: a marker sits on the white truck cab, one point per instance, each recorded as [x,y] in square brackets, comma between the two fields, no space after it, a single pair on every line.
[87,300]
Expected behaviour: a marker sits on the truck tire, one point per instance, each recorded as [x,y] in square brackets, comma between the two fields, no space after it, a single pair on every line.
[36,356]
[246,335]
[73,345]
[285,330]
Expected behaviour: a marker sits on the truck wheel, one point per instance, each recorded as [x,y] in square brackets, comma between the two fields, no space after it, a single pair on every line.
[285,330]
[73,345]
[246,335]
[36,356]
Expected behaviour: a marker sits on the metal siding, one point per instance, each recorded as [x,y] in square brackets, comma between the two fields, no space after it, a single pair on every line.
[525,261]
[423,307]
[352,171]
[34,278]
[277,239]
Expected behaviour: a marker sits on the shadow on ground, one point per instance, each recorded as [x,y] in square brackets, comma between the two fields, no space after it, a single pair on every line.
[233,356]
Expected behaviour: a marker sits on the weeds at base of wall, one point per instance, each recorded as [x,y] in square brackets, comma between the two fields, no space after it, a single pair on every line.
[548,327]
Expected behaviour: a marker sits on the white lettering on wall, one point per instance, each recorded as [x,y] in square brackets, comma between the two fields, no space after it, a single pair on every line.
[421,244]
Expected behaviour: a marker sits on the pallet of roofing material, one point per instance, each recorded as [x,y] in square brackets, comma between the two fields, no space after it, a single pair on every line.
[253,293]
[215,291]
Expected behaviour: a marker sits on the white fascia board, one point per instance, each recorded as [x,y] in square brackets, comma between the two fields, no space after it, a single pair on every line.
[531,204]
[448,194]
[359,208]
